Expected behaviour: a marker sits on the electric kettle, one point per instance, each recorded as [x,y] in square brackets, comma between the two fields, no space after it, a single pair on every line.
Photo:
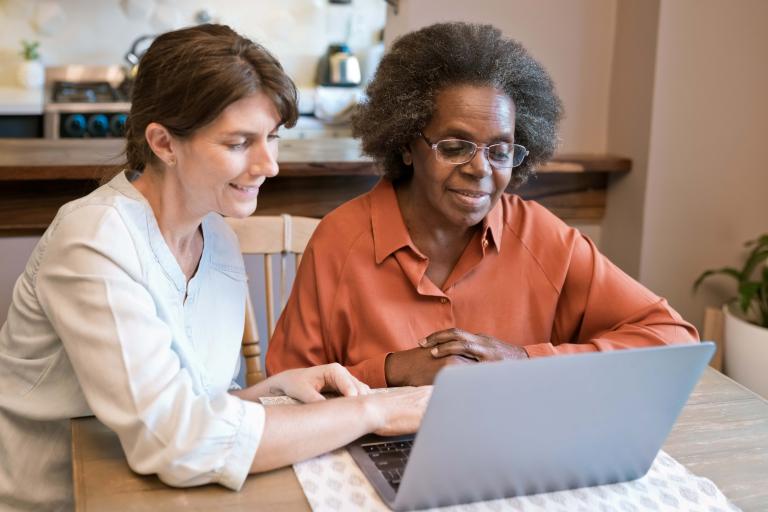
[339,67]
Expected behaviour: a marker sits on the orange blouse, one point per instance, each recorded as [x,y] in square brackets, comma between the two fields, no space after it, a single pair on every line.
[526,278]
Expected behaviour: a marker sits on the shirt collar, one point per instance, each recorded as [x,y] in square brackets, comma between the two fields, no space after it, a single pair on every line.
[390,233]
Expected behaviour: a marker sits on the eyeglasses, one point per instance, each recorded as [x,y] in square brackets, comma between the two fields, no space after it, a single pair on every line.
[503,155]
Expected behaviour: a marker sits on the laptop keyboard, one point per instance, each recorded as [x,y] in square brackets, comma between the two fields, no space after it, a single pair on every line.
[390,458]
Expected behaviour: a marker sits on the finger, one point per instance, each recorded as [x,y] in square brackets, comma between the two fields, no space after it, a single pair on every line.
[363,388]
[458,348]
[307,394]
[444,336]
[339,378]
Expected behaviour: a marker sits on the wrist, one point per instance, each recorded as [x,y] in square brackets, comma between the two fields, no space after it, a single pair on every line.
[370,412]
[391,375]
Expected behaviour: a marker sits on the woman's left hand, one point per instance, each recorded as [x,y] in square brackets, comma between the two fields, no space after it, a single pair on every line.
[306,384]
[476,346]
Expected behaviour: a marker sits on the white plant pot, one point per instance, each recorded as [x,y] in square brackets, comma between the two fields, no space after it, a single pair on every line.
[746,352]
[31,74]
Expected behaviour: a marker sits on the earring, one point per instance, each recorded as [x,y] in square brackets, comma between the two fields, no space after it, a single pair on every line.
[171,162]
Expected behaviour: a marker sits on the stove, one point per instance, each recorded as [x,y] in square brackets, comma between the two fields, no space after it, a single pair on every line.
[84,104]
[86,92]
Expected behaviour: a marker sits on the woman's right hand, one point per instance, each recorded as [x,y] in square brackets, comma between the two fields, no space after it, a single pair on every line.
[397,412]
[417,366]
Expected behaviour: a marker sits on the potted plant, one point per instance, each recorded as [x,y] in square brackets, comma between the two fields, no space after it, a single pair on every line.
[746,318]
[31,73]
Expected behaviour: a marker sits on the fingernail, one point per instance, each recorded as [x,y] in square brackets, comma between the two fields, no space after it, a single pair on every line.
[423,342]
[434,351]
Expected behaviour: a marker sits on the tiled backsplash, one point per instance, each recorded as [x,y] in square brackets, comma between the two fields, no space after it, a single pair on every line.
[101,31]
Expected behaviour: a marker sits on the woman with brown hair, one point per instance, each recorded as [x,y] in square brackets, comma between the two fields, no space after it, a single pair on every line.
[131,306]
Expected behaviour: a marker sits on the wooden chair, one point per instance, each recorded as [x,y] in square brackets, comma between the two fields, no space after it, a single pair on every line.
[283,235]
[713,331]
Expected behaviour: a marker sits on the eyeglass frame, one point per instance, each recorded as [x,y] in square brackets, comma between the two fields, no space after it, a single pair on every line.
[485,147]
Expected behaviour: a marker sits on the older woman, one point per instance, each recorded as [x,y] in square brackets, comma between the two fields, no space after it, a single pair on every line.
[437,264]
[131,306]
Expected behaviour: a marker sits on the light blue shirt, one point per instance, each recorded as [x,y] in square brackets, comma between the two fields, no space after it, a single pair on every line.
[99,325]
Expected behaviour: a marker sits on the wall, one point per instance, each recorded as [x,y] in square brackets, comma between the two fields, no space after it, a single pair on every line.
[707,181]
[100,32]
[629,129]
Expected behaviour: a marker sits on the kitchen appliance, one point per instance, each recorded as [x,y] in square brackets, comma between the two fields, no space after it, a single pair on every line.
[339,67]
[84,102]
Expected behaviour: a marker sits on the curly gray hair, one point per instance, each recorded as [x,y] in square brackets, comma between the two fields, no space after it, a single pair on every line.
[401,96]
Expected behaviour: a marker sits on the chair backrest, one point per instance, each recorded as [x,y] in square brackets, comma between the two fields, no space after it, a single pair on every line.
[267,235]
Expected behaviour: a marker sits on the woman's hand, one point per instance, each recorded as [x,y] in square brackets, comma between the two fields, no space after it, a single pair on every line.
[479,347]
[417,366]
[399,411]
[306,384]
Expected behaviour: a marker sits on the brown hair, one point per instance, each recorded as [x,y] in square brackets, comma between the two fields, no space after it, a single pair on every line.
[189,76]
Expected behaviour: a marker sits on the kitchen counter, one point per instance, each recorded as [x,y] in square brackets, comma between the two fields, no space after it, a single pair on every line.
[17,101]
[37,176]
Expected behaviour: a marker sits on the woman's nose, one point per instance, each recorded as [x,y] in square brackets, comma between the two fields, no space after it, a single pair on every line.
[479,166]
[264,160]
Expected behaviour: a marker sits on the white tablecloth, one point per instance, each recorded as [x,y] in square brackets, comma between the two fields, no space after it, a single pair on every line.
[333,482]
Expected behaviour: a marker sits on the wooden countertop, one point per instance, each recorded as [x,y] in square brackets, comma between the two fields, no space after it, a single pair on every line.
[41,159]
[37,176]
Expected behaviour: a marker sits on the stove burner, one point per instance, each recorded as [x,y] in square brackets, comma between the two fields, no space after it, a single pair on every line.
[85,92]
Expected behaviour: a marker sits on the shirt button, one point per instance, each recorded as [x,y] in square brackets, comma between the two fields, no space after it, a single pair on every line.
[444,300]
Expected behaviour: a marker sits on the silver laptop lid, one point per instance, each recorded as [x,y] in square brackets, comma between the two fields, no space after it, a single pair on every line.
[524,427]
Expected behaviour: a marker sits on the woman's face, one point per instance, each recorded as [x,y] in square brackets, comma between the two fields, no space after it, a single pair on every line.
[222,165]
[462,195]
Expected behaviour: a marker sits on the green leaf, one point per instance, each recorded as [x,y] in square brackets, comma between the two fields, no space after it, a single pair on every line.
[728,271]
[755,258]
[759,242]
[747,293]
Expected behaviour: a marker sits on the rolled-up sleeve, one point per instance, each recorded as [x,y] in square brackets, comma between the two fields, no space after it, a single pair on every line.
[90,286]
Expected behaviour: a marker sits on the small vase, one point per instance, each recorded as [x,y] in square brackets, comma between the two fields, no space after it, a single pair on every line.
[31,74]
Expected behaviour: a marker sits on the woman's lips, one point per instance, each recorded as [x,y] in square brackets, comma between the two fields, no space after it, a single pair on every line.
[246,190]
[471,198]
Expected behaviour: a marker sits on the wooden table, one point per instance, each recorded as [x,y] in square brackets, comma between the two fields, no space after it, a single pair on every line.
[722,434]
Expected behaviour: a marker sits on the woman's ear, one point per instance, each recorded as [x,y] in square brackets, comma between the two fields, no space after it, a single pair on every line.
[160,142]
[407,156]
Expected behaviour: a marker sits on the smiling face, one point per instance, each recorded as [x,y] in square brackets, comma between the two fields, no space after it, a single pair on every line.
[223,164]
[460,196]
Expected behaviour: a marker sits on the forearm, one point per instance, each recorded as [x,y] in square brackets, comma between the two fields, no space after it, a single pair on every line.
[297,432]
[659,325]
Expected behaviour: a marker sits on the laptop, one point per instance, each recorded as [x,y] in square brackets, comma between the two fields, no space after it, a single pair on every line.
[514,428]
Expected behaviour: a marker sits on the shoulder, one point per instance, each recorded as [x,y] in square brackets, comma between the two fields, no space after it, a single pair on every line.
[102,213]
[343,227]
[549,241]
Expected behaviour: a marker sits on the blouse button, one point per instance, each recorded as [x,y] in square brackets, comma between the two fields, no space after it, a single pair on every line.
[444,300]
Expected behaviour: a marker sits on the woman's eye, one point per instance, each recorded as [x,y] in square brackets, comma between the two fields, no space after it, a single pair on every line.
[452,148]
[273,136]
[238,145]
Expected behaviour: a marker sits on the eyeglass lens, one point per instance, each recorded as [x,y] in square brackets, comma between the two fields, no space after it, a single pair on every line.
[503,155]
